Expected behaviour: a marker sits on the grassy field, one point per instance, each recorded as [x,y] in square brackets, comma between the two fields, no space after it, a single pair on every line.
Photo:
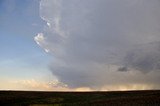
[116,98]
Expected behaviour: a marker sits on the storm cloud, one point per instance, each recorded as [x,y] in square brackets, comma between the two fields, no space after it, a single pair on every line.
[144,58]
[95,43]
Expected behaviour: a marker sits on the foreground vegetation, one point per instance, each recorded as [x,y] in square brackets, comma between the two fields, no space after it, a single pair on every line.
[116,98]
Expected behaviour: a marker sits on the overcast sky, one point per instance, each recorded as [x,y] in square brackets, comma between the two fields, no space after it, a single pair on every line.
[80,44]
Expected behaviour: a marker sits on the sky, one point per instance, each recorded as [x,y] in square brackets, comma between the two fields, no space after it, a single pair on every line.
[79,45]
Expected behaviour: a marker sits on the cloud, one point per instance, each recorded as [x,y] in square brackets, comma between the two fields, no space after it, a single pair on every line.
[90,40]
[40,40]
[144,58]
[32,84]
[123,69]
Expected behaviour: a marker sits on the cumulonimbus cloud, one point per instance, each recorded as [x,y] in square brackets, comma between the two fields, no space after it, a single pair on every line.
[93,40]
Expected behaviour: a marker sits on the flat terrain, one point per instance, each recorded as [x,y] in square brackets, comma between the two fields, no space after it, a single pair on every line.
[115,98]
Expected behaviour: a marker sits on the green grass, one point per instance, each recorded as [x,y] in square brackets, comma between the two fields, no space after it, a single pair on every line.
[116,98]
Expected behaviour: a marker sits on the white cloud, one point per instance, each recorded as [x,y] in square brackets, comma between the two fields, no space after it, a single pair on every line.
[40,40]
[91,39]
